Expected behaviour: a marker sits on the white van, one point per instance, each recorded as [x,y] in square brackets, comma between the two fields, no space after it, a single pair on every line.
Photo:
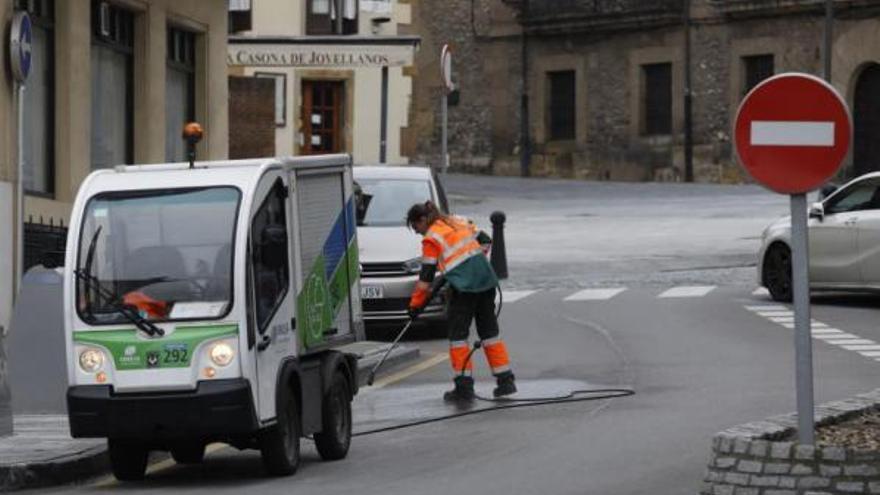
[208,303]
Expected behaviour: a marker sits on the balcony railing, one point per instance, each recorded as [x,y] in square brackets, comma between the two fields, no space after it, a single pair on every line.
[578,15]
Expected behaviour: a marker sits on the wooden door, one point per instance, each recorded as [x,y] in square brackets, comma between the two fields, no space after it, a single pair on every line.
[322,117]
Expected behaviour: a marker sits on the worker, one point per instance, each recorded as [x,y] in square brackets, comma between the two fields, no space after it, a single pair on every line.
[450,246]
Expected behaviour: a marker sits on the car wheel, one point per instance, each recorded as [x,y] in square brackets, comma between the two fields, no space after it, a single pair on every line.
[279,444]
[777,273]
[334,440]
[128,459]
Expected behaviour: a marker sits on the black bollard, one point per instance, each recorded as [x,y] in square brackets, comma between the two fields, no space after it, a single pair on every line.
[499,253]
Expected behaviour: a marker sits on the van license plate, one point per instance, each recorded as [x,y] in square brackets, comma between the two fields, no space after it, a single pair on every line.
[371,291]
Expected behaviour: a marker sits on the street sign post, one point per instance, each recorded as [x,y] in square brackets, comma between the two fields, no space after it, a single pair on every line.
[791,134]
[20,43]
[449,86]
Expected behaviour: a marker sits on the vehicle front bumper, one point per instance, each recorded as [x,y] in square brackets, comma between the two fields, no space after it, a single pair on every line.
[216,409]
[392,306]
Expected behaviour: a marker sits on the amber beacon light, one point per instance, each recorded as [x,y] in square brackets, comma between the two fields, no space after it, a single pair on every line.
[192,134]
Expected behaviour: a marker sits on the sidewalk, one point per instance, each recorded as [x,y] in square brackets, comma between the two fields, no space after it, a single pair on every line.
[42,453]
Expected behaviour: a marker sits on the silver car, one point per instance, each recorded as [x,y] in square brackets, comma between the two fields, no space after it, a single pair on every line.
[390,253]
[844,236]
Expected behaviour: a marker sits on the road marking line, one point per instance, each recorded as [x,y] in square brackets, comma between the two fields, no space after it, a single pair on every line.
[826,331]
[863,347]
[870,353]
[761,291]
[687,291]
[819,324]
[110,480]
[768,314]
[845,342]
[515,295]
[781,319]
[765,307]
[595,294]
[792,133]
[835,336]
[408,372]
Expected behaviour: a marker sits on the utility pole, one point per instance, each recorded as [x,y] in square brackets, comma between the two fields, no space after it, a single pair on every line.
[688,111]
[340,10]
[826,52]
[525,140]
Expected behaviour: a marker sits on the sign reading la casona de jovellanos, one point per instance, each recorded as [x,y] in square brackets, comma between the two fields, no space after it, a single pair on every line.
[324,55]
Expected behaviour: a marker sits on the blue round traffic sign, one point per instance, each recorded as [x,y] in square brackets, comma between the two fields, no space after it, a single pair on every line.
[20,43]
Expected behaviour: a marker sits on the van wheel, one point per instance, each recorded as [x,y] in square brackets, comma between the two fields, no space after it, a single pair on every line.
[279,443]
[128,459]
[334,440]
[188,453]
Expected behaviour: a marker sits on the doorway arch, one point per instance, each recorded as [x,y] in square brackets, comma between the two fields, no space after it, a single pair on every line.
[866,120]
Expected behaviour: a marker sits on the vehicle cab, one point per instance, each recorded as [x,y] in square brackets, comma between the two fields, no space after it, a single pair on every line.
[208,302]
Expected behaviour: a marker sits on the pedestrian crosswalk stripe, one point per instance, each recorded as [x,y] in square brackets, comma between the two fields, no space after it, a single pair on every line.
[835,336]
[782,316]
[687,291]
[765,307]
[846,342]
[595,294]
[863,347]
[515,295]
[761,291]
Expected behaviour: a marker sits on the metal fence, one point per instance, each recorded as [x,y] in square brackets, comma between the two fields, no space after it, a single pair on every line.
[44,243]
[601,8]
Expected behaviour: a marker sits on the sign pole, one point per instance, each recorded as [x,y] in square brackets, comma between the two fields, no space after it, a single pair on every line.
[443,150]
[19,194]
[800,278]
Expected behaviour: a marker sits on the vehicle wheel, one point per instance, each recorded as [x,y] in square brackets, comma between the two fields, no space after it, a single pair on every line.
[334,440]
[188,453]
[279,443]
[777,273]
[128,459]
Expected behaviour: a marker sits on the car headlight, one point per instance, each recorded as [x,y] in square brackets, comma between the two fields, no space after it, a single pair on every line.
[221,353]
[413,266]
[91,360]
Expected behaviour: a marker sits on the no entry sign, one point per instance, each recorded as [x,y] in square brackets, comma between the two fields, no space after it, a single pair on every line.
[792,132]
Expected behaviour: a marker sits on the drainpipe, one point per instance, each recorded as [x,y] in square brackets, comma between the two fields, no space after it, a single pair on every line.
[688,111]
[525,140]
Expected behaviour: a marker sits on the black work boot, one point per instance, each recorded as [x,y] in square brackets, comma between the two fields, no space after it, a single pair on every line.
[506,385]
[463,391]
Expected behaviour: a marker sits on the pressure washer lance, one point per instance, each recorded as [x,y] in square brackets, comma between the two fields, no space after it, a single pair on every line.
[438,284]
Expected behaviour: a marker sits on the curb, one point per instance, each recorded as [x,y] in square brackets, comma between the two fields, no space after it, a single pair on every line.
[764,458]
[90,462]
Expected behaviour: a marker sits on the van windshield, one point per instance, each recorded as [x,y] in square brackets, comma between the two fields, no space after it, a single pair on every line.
[386,201]
[165,254]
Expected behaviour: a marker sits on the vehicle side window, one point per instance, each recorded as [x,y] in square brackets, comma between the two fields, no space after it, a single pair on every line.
[269,259]
[863,196]
[442,194]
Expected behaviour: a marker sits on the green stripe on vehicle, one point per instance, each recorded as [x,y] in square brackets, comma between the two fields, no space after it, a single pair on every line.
[319,301]
[130,352]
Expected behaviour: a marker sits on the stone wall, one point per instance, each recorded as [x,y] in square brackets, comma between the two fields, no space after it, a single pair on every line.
[760,458]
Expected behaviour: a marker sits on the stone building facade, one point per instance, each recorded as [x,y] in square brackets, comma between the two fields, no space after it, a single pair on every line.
[605,80]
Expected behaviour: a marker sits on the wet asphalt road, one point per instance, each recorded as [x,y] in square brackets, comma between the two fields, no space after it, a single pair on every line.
[698,363]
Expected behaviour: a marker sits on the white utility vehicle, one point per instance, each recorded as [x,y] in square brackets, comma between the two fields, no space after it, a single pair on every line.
[211,303]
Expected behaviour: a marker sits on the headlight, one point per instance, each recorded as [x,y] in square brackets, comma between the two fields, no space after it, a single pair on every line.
[91,360]
[413,266]
[221,353]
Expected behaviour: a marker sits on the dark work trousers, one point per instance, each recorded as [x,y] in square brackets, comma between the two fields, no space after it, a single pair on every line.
[467,306]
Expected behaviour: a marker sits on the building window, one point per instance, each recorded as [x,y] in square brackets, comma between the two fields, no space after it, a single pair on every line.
[280,95]
[180,89]
[240,15]
[39,100]
[562,104]
[321,16]
[657,91]
[112,85]
[756,68]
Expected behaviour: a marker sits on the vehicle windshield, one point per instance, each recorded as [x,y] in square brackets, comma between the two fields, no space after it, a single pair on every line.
[165,254]
[386,201]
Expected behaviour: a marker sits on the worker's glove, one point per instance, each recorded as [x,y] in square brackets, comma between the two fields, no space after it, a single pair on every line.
[414,312]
